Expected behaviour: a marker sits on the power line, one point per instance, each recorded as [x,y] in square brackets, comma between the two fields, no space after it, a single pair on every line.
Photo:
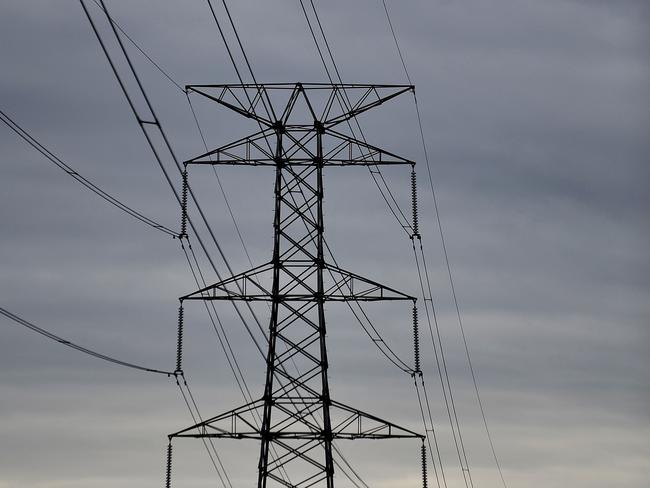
[27,137]
[248,64]
[135,44]
[156,122]
[446,390]
[212,453]
[344,102]
[72,345]
[444,248]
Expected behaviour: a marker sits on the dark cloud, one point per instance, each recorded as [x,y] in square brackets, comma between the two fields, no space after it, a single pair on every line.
[536,121]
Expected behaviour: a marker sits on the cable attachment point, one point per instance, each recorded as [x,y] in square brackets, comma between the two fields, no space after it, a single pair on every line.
[423,453]
[414,204]
[168,474]
[184,206]
[179,341]
[416,342]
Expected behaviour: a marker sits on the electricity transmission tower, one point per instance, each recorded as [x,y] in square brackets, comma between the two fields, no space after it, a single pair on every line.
[296,421]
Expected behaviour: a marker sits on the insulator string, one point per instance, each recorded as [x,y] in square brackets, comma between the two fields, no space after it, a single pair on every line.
[414,204]
[184,206]
[423,456]
[416,342]
[179,341]
[168,475]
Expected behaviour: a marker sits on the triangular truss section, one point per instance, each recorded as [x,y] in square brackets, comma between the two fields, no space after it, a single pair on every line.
[330,103]
[339,150]
[297,283]
[300,420]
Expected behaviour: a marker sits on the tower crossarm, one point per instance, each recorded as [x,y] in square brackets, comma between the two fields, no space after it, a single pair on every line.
[339,286]
[299,422]
[248,151]
[342,150]
[244,104]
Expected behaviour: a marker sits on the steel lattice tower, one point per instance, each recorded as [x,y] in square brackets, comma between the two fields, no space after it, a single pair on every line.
[296,420]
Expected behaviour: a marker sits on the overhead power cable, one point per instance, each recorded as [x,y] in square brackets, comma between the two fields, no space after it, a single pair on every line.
[444,249]
[135,44]
[193,408]
[72,345]
[269,112]
[344,102]
[27,137]
[156,123]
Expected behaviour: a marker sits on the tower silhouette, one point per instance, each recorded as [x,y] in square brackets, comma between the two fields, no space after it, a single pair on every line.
[296,420]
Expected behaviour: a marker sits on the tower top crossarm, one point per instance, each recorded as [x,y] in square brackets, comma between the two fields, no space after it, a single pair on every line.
[306,111]
[245,99]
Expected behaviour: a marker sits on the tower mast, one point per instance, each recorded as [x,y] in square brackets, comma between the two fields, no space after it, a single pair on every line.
[299,419]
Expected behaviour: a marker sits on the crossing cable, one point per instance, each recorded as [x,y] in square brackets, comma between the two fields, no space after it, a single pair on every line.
[79,348]
[445,383]
[156,123]
[27,137]
[166,74]
[334,446]
[221,188]
[223,338]
[348,104]
[221,32]
[255,81]
[233,363]
[212,453]
[148,57]
[345,104]
[377,339]
[446,255]
[142,51]
[268,109]
[428,438]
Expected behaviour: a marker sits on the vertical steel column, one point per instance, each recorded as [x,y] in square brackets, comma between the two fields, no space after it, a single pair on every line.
[325,392]
[273,324]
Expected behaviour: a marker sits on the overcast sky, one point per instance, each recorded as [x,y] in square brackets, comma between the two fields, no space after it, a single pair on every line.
[536,119]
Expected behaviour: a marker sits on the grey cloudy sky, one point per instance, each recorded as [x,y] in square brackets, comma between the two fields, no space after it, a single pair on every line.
[536,120]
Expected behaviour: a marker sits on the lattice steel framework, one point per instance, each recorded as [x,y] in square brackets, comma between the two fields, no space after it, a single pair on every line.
[296,420]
